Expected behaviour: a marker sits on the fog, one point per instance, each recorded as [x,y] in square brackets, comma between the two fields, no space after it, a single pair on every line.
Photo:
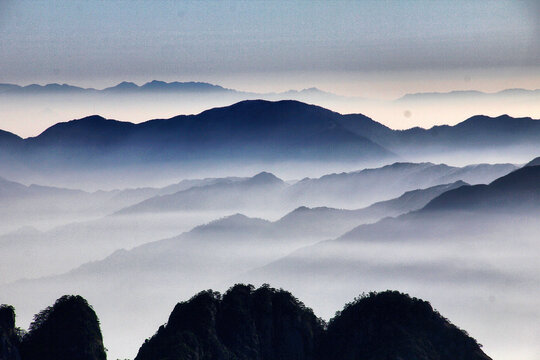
[135,252]
[478,271]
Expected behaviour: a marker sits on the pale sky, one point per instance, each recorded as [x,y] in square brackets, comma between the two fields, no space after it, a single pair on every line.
[360,48]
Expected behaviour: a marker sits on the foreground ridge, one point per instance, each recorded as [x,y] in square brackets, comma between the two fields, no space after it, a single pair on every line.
[265,323]
[252,323]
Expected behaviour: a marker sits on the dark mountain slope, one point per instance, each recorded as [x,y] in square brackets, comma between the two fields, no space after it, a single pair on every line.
[94,132]
[519,189]
[265,323]
[390,325]
[250,129]
[9,338]
[244,323]
[362,188]
[7,138]
[68,330]
[534,162]
[282,124]
[330,222]
[476,132]
[257,130]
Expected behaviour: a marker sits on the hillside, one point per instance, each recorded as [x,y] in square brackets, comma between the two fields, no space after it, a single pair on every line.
[256,129]
[265,323]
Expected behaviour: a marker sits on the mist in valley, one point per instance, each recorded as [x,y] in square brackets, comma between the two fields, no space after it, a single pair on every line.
[153,152]
[138,252]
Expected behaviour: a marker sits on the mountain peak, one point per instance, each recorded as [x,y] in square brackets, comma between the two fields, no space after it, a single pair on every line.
[393,325]
[91,118]
[264,178]
[534,162]
[124,85]
[67,330]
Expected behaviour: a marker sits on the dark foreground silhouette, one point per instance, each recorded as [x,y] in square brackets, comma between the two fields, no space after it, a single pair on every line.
[251,324]
[68,330]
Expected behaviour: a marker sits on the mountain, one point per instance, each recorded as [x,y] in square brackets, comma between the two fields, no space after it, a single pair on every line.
[123,87]
[478,241]
[477,132]
[330,222]
[391,325]
[9,337]
[364,187]
[466,94]
[518,190]
[227,194]
[534,162]
[257,130]
[65,331]
[249,130]
[14,190]
[7,138]
[344,190]
[244,323]
[232,237]
[265,323]
[33,89]
[176,86]
[81,242]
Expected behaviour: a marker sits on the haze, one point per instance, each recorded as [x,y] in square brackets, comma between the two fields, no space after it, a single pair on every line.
[329,148]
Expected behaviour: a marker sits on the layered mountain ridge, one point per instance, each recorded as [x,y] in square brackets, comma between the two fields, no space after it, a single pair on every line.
[258,130]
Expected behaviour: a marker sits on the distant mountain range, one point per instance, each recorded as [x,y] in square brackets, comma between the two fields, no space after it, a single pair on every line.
[517,190]
[123,87]
[135,224]
[205,87]
[467,95]
[380,254]
[255,130]
[154,86]
[464,213]
[247,130]
[515,194]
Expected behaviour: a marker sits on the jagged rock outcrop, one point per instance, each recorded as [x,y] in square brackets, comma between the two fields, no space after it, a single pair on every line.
[68,330]
[9,338]
[391,325]
[245,323]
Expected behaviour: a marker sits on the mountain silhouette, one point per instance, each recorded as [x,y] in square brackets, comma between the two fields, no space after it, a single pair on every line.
[67,330]
[362,188]
[519,189]
[534,162]
[305,221]
[9,336]
[249,130]
[123,87]
[7,138]
[391,325]
[244,323]
[477,132]
[256,130]
[515,194]
[263,188]
[265,323]
[511,195]
[220,246]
